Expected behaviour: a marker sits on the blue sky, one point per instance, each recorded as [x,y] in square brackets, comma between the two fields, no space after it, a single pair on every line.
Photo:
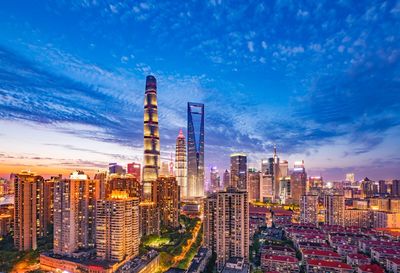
[321,79]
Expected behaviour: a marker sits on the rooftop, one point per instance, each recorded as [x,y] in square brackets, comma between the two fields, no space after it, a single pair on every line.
[330,264]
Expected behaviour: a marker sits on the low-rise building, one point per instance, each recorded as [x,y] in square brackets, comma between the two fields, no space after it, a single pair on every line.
[326,255]
[236,265]
[393,265]
[283,264]
[199,261]
[320,266]
[356,259]
[368,268]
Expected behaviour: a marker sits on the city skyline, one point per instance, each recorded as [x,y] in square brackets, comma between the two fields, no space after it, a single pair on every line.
[73,99]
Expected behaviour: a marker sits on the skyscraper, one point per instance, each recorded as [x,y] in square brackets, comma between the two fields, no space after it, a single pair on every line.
[298,181]
[74,213]
[149,210]
[151,160]
[214,179]
[28,209]
[180,164]
[123,182]
[266,187]
[134,169]
[254,178]
[334,209]
[226,224]
[309,209]
[239,171]
[195,149]
[276,173]
[226,179]
[117,228]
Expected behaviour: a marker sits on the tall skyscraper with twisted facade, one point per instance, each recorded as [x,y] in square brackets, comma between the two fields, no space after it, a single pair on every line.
[180,164]
[149,211]
[195,160]
[151,160]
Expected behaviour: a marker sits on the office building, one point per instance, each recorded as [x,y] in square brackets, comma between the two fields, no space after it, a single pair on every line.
[274,165]
[334,209]
[226,179]
[149,211]
[285,190]
[117,228]
[239,171]
[283,168]
[298,180]
[115,168]
[195,149]
[226,224]
[74,213]
[309,209]
[28,210]
[254,179]
[151,160]
[266,187]
[180,164]
[350,177]
[214,179]
[134,169]
[168,201]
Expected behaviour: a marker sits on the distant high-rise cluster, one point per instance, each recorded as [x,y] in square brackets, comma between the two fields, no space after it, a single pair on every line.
[180,164]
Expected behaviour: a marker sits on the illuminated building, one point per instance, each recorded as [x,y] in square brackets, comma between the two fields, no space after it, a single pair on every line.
[265,166]
[134,169]
[239,171]
[115,168]
[28,210]
[168,201]
[335,209]
[276,173]
[226,224]
[350,177]
[254,178]
[180,164]
[48,199]
[195,149]
[149,220]
[285,190]
[226,179]
[283,168]
[298,180]
[149,212]
[209,222]
[214,179]
[151,161]
[358,218]
[74,213]
[266,187]
[395,188]
[384,219]
[117,227]
[315,184]
[164,171]
[309,209]
[100,180]
[123,182]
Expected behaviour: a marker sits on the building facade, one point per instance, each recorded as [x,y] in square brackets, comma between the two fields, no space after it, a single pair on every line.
[195,149]
[239,171]
[180,164]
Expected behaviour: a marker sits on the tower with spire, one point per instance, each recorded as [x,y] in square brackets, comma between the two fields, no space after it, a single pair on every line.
[180,164]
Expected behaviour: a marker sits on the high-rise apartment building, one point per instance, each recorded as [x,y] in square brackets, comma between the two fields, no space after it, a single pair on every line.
[226,224]
[123,182]
[168,201]
[115,168]
[117,227]
[298,180]
[151,160]
[180,164]
[309,209]
[334,209]
[195,149]
[350,177]
[239,171]
[134,169]
[74,213]
[254,179]
[149,219]
[48,200]
[28,210]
